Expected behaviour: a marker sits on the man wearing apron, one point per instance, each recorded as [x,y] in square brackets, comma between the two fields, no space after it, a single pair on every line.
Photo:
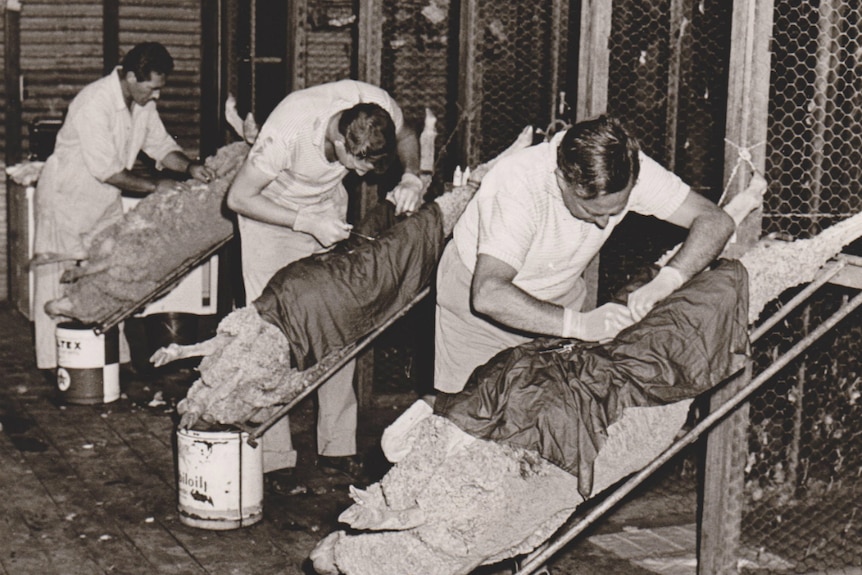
[513,269]
[291,203]
[78,194]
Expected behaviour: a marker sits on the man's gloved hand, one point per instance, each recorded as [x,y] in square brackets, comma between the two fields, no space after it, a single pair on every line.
[600,324]
[643,299]
[200,172]
[326,227]
[407,195]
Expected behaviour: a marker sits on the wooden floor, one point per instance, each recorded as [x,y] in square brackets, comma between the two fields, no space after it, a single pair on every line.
[90,490]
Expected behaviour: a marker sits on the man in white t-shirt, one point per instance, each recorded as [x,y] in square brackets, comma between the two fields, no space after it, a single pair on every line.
[514,267]
[292,203]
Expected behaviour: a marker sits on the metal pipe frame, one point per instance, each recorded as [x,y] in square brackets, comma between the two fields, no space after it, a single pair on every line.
[164,286]
[344,355]
[537,558]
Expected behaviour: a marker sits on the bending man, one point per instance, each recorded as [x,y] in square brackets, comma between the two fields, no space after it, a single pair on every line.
[514,267]
[292,203]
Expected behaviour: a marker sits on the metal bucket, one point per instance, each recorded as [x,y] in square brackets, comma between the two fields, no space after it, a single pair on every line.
[88,364]
[219,479]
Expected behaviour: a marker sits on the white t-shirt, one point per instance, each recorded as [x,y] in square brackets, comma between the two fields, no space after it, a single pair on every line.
[518,216]
[291,145]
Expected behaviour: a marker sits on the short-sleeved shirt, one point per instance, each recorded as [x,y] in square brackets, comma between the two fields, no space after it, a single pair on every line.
[100,137]
[518,216]
[291,145]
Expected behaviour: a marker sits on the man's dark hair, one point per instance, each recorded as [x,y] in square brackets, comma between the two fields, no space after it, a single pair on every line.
[369,134]
[598,157]
[146,58]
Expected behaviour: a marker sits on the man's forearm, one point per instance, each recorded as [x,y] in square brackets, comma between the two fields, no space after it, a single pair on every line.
[177,161]
[408,150]
[129,182]
[512,307]
[706,239]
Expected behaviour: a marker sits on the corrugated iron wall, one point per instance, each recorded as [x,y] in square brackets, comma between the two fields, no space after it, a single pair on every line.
[61,52]
[177,25]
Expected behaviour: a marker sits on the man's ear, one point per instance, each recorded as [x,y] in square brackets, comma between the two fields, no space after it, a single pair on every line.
[131,78]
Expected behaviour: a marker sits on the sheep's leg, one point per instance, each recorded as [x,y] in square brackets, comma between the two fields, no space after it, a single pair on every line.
[85,268]
[53,257]
[370,512]
[174,352]
[60,307]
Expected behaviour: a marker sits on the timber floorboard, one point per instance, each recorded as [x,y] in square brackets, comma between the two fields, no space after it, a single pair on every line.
[91,489]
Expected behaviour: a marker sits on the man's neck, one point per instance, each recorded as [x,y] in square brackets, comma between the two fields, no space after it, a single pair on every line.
[124,87]
[332,134]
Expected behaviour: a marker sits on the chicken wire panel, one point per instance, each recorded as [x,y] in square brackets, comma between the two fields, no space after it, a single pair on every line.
[814,138]
[419,65]
[668,74]
[803,479]
[519,58]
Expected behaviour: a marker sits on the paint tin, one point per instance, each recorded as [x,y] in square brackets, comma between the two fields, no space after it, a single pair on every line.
[88,364]
[219,479]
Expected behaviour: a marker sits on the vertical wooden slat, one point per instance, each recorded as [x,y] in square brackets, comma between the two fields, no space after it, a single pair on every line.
[593,70]
[110,34]
[594,58]
[12,72]
[297,29]
[468,85]
[211,96]
[678,11]
[747,117]
[370,41]
[368,58]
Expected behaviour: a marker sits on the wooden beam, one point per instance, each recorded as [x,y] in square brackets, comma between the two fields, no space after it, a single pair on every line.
[593,58]
[12,74]
[297,45]
[680,43]
[593,72]
[211,121]
[747,117]
[469,81]
[110,35]
[369,48]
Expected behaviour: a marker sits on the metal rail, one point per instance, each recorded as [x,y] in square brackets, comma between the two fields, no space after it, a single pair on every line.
[165,285]
[341,356]
[541,555]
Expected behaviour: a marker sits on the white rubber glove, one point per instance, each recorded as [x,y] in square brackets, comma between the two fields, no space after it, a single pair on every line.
[407,195]
[600,324]
[643,299]
[326,227]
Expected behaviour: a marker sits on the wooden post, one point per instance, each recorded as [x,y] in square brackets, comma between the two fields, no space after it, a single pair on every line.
[369,43]
[12,74]
[679,41]
[211,126]
[593,70]
[469,81]
[297,46]
[369,55]
[110,35]
[747,117]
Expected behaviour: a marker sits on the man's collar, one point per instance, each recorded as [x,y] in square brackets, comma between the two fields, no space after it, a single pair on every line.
[117,90]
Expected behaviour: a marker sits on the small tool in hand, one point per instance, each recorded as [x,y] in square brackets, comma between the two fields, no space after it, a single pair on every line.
[363,236]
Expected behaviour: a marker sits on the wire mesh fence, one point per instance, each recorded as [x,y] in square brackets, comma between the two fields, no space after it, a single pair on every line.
[668,83]
[804,474]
